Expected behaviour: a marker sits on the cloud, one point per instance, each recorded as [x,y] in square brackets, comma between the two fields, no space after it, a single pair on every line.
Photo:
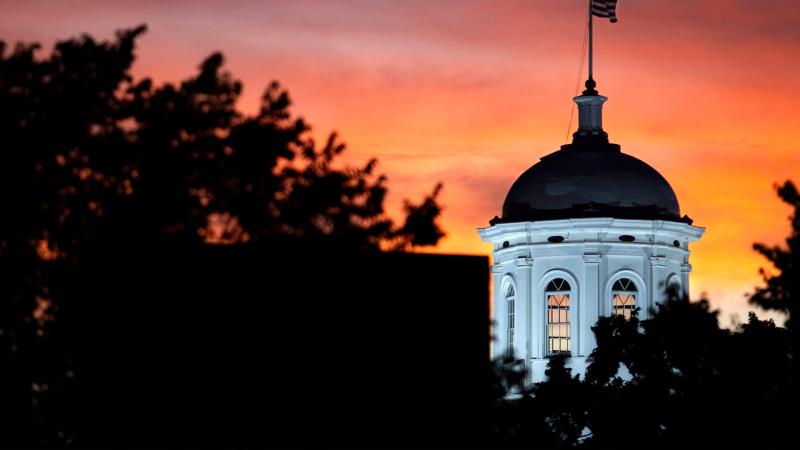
[471,93]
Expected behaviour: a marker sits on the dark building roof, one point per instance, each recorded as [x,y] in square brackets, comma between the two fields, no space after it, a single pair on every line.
[233,346]
[590,178]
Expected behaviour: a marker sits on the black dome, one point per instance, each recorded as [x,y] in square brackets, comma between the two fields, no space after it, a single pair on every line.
[590,180]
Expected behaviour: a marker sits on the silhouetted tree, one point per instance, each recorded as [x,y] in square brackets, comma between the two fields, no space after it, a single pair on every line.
[549,414]
[562,402]
[510,421]
[675,379]
[205,172]
[93,158]
[420,228]
[59,127]
[780,289]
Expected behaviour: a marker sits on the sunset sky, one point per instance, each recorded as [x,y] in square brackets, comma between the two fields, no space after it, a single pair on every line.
[471,93]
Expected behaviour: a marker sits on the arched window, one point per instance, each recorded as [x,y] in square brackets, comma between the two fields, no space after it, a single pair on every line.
[510,297]
[558,327]
[623,297]
[674,289]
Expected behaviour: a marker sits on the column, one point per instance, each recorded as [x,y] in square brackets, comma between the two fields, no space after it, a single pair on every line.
[497,319]
[589,308]
[526,339]
[658,283]
[686,269]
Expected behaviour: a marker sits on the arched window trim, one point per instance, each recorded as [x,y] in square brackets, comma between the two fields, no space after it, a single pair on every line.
[642,297]
[673,278]
[510,331]
[573,308]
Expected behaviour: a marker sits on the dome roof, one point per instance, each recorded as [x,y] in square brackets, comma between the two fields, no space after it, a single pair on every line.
[590,179]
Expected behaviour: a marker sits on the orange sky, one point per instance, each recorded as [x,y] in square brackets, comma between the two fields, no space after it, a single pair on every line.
[471,93]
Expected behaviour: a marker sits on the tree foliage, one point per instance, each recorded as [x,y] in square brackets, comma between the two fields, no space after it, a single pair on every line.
[91,147]
[781,288]
[94,158]
[674,380]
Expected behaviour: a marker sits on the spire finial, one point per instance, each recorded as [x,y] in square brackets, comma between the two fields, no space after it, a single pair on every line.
[590,87]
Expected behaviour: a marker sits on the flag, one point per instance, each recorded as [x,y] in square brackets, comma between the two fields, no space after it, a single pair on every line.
[605,8]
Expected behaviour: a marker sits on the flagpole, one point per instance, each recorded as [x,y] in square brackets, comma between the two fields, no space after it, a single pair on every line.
[590,39]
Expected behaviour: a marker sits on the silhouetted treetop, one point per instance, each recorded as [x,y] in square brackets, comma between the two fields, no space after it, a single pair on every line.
[780,290]
[179,159]
[94,158]
[420,227]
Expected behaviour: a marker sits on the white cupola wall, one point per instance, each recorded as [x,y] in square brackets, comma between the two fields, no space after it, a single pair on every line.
[560,276]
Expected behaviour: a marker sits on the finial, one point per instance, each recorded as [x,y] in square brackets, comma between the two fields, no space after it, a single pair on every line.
[590,87]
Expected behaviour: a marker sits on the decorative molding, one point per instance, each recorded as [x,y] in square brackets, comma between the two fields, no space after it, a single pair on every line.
[539,230]
[592,255]
[592,259]
[524,261]
[658,261]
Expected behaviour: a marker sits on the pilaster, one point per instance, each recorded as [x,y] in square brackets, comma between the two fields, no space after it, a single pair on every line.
[588,310]
[686,269]
[658,280]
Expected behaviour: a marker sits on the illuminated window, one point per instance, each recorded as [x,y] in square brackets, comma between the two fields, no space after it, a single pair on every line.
[623,298]
[510,297]
[557,294]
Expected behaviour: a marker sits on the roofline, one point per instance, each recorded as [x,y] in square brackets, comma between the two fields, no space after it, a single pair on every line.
[691,231]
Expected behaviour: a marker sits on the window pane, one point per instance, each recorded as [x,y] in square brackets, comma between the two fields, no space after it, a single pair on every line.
[558,326]
[558,285]
[623,298]
[510,316]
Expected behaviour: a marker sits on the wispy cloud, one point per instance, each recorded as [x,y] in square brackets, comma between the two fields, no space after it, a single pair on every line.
[472,92]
